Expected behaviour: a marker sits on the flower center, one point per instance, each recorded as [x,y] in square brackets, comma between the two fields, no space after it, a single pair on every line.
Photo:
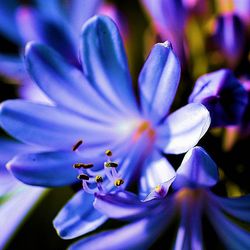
[145,127]
[188,195]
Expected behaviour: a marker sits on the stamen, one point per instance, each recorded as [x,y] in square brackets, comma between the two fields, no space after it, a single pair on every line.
[77,145]
[158,188]
[108,153]
[118,182]
[98,179]
[109,164]
[83,165]
[83,177]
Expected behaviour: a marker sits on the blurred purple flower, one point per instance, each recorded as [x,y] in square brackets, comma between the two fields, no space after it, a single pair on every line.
[191,200]
[100,107]
[229,36]
[223,95]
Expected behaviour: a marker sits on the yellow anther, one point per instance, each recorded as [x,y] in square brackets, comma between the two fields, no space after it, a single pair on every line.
[108,153]
[98,179]
[77,145]
[83,165]
[158,188]
[109,164]
[83,177]
[119,182]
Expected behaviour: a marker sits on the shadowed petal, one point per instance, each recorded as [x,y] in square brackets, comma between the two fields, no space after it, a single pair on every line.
[137,235]
[158,81]
[231,234]
[237,207]
[183,129]
[78,217]
[196,169]
[42,28]
[223,95]
[157,170]
[105,64]
[47,169]
[50,126]
[61,82]
[120,206]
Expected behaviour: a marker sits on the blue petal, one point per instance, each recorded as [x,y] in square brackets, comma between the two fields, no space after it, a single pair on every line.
[55,33]
[183,129]
[78,217]
[158,81]
[157,170]
[63,83]
[13,68]
[49,168]
[52,8]
[137,235]
[8,25]
[237,207]
[121,205]
[80,11]
[231,234]
[223,95]
[51,126]
[105,64]
[189,235]
[196,169]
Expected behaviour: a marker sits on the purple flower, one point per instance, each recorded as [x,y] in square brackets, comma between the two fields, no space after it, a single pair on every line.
[229,36]
[223,95]
[191,200]
[100,108]
[13,193]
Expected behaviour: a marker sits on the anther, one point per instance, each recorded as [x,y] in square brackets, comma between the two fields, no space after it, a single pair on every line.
[109,164]
[119,182]
[77,145]
[108,153]
[98,179]
[158,188]
[83,177]
[83,165]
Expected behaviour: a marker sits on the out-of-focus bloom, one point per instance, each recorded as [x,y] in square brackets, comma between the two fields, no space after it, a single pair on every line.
[169,18]
[229,35]
[242,8]
[16,198]
[223,95]
[190,201]
[100,107]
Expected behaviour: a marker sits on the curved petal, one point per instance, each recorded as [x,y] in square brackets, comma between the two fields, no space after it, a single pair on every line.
[196,169]
[49,168]
[119,206]
[183,129]
[158,81]
[51,126]
[105,64]
[237,207]
[231,234]
[156,171]
[63,83]
[78,217]
[138,235]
